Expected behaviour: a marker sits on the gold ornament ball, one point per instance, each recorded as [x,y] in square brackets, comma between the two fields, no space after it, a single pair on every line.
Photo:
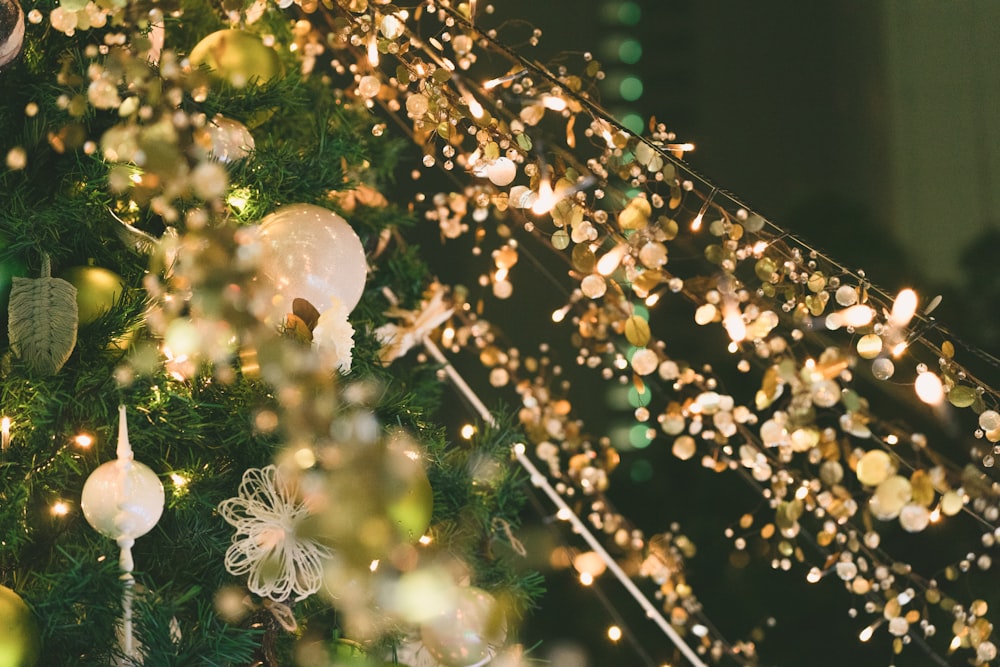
[236,56]
[97,290]
[19,637]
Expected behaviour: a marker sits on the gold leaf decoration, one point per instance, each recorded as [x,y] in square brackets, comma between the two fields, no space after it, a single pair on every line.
[42,322]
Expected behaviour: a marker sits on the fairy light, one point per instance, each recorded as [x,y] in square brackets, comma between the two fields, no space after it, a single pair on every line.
[373,51]
[374,565]
[903,308]
[425,540]
[493,83]
[869,631]
[564,514]
[610,260]
[858,316]
[546,200]
[554,103]
[468,430]
[179,480]
[586,578]
[696,223]
[682,148]
[560,314]
[614,633]
[60,508]
[929,388]
[898,349]
[892,439]
[83,440]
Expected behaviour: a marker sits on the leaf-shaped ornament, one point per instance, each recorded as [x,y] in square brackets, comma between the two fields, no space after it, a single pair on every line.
[42,322]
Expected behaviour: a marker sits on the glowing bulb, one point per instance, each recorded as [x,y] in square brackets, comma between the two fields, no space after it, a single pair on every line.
[866,634]
[136,178]
[373,51]
[903,308]
[858,316]
[60,508]
[696,223]
[892,439]
[374,565]
[735,326]
[468,430]
[560,314]
[180,481]
[898,349]
[683,148]
[519,449]
[425,540]
[554,103]
[586,578]
[83,440]
[652,300]
[608,262]
[614,633]
[475,108]
[546,200]
[564,514]
[929,388]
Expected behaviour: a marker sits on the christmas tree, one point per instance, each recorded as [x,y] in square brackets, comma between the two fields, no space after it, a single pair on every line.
[226,351]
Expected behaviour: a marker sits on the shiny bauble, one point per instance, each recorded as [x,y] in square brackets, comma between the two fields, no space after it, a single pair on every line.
[237,57]
[464,634]
[11,31]
[98,290]
[306,252]
[122,501]
[19,637]
[230,140]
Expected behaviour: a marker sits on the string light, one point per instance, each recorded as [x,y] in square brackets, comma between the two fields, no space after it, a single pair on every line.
[929,388]
[614,633]
[468,430]
[83,440]
[60,508]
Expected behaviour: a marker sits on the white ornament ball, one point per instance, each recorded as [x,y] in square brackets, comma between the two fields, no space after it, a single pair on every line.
[231,140]
[122,499]
[501,171]
[311,253]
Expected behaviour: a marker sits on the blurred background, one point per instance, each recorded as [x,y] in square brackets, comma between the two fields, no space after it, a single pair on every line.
[867,127]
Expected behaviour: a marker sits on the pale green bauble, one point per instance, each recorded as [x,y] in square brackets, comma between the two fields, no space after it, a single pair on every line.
[97,290]
[236,56]
[19,636]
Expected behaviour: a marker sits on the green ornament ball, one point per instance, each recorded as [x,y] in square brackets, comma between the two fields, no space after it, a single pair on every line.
[236,56]
[97,290]
[19,637]
[411,506]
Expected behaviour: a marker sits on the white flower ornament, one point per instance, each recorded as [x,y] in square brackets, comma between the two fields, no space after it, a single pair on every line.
[266,546]
[398,339]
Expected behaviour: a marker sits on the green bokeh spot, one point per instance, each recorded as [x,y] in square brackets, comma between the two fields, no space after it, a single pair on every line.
[630,88]
[629,13]
[630,51]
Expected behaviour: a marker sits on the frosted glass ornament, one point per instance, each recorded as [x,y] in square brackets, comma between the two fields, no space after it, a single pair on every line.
[122,503]
[307,252]
[462,635]
[122,499]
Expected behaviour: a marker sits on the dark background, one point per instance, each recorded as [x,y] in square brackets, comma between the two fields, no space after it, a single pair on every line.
[857,125]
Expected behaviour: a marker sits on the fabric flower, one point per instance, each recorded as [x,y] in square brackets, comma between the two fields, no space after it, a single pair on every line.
[266,546]
[398,339]
[334,337]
